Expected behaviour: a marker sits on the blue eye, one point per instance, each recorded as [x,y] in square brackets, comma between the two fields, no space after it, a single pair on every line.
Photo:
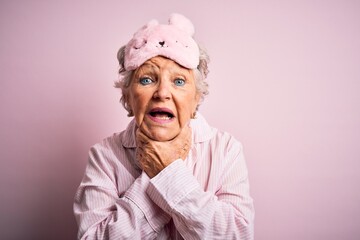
[145,81]
[179,82]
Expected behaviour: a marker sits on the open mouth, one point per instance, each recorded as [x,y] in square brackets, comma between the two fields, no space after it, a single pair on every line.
[161,113]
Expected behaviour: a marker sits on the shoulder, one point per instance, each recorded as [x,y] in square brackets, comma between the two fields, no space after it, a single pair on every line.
[204,134]
[224,143]
[109,144]
[226,139]
[112,158]
[117,142]
[112,149]
[219,147]
[107,153]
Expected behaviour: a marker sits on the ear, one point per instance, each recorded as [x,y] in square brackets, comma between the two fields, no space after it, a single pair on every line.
[152,23]
[182,23]
[127,98]
[197,101]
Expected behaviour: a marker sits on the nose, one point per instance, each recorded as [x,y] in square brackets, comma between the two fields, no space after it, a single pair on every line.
[163,91]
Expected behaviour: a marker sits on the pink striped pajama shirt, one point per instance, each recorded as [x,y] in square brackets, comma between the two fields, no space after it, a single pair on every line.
[204,197]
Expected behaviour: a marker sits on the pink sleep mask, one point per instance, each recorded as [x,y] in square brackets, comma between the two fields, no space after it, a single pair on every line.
[173,41]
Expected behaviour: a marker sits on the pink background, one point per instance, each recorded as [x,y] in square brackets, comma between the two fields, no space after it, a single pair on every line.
[285,80]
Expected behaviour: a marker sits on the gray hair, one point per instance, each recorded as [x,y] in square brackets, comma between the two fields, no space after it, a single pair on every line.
[125,77]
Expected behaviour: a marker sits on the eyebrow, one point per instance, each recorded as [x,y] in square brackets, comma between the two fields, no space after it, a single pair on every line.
[152,68]
[147,68]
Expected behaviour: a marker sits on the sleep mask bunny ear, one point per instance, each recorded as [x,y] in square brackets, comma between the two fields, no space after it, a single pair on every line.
[174,41]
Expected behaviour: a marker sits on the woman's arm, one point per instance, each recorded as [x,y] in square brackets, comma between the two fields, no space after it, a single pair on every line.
[105,212]
[226,214]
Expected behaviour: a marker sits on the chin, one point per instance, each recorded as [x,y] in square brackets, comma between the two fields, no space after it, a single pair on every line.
[162,135]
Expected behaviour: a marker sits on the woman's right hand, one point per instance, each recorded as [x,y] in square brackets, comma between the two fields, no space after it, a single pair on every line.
[154,156]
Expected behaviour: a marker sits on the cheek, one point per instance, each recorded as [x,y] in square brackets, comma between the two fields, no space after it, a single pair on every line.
[187,110]
[136,98]
[193,102]
[138,105]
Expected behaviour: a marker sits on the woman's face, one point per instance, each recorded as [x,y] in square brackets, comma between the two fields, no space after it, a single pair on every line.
[163,97]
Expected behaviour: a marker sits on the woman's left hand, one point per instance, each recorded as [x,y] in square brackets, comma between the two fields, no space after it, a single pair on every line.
[154,156]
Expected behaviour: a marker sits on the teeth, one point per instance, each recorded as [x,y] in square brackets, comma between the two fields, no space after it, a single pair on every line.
[163,117]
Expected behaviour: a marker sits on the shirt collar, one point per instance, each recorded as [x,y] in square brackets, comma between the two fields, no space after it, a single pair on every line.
[201,132]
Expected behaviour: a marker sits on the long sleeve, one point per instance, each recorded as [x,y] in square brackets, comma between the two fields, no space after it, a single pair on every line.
[226,213]
[111,203]
[206,196]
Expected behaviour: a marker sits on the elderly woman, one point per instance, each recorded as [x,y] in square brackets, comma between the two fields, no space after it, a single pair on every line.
[169,175]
